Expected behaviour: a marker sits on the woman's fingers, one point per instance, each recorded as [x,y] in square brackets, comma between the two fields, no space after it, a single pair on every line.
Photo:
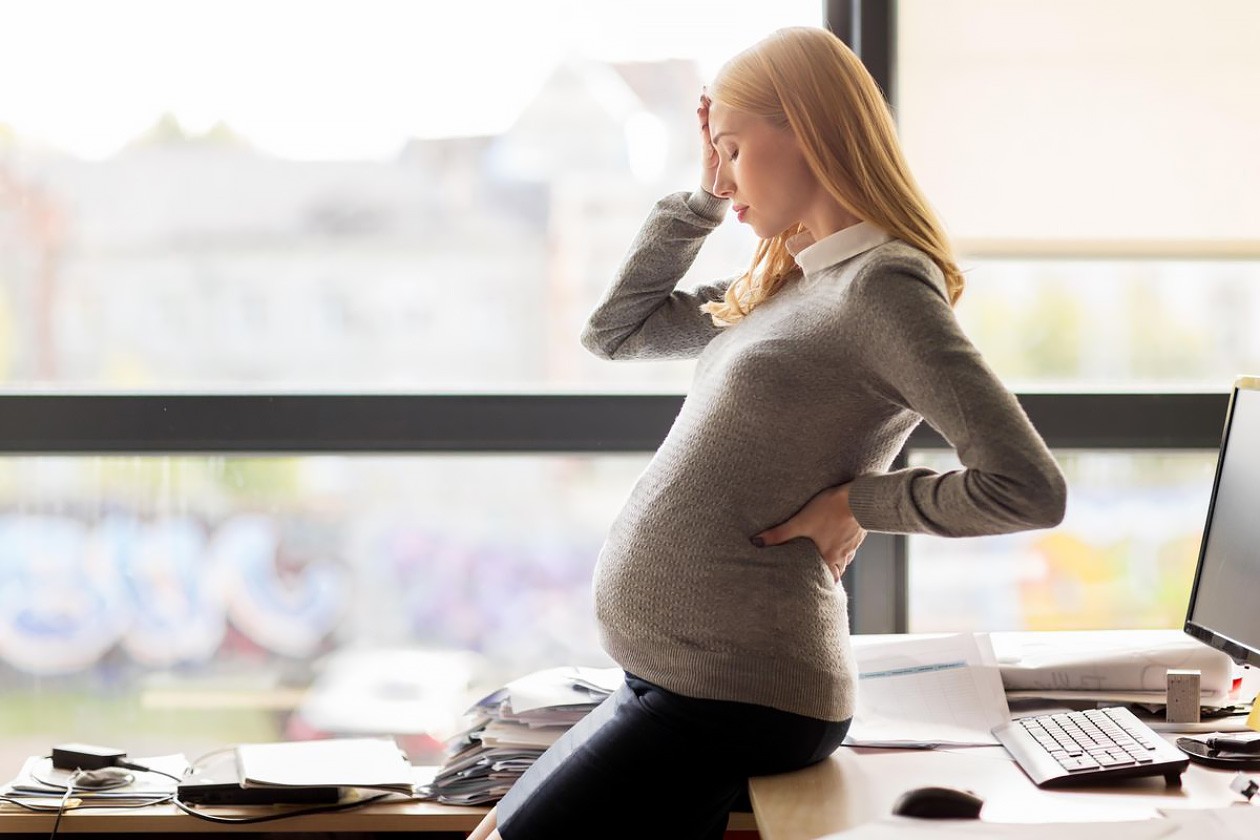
[708,154]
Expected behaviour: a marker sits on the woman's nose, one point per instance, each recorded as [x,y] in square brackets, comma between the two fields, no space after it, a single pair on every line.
[723,186]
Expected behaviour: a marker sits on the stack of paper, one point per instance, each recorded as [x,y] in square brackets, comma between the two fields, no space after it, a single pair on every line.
[1125,666]
[510,728]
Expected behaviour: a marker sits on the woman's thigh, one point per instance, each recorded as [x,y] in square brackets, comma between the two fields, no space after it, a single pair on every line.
[646,752]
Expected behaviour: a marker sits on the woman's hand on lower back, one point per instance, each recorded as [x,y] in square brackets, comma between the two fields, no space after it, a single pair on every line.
[829,522]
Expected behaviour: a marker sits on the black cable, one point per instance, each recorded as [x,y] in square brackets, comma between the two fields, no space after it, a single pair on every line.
[39,809]
[127,765]
[318,809]
[158,799]
[75,783]
[175,800]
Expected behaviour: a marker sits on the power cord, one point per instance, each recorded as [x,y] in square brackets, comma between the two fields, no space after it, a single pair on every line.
[115,776]
[194,811]
[109,777]
[87,780]
[127,765]
[317,809]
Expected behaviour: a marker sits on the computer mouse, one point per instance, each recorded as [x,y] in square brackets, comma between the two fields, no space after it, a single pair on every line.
[938,802]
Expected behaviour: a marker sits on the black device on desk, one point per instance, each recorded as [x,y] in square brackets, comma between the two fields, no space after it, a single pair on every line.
[1223,612]
[1224,608]
[216,780]
[938,802]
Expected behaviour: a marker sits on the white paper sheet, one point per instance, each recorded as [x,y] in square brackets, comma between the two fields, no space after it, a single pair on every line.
[897,828]
[1109,661]
[924,692]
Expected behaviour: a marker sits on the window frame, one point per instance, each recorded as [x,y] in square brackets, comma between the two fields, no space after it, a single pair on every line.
[157,424]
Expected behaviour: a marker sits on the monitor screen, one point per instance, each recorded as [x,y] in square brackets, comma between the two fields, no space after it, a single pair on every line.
[1224,608]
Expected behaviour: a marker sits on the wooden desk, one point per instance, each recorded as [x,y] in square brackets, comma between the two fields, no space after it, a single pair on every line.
[380,818]
[167,819]
[857,785]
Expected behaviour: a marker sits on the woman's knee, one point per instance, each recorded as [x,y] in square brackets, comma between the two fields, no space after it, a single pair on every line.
[488,828]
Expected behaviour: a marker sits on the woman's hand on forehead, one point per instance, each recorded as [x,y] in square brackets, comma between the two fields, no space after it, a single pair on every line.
[708,154]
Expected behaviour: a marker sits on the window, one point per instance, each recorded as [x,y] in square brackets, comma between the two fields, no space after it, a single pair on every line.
[1093,164]
[211,599]
[1124,556]
[339,198]
[370,195]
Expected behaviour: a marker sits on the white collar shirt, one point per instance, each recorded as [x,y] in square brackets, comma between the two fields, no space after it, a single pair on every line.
[814,256]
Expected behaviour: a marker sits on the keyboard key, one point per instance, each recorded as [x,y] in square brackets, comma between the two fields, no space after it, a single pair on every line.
[1113,761]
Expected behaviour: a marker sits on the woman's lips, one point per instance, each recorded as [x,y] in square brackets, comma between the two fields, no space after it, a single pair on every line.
[740,210]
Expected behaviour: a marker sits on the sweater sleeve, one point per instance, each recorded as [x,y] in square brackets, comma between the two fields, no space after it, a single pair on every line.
[924,361]
[642,315]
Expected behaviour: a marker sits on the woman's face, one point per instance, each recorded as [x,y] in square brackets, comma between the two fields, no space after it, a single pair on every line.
[761,170]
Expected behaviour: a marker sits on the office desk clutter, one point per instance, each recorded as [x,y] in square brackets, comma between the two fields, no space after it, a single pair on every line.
[1127,666]
[508,729]
[926,691]
[39,786]
[952,689]
[289,778]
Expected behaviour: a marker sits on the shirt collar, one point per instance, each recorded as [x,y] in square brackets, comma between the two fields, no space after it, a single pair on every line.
[813,256]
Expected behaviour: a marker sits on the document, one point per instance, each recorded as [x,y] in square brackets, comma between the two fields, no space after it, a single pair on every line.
[567,685]
[923,692]
[1110,662]
[375,763]
[898,828]
[1240,822]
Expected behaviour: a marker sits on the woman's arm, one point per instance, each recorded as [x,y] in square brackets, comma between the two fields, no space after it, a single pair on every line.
[922,360]
[642,315]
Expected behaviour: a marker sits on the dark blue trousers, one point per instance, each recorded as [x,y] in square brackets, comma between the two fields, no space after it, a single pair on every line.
[649,763]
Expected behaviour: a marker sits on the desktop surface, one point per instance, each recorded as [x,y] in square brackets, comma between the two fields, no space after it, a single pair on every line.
[395,817]
[857,785]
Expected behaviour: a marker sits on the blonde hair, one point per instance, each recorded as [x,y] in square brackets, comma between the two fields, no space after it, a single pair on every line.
[807,80]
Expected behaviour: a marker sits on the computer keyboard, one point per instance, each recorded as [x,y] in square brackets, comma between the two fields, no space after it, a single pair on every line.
[1089,747]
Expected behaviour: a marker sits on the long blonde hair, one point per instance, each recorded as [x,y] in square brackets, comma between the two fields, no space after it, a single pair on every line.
[807,80]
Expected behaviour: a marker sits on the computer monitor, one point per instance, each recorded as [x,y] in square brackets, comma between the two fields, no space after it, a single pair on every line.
[1224,608]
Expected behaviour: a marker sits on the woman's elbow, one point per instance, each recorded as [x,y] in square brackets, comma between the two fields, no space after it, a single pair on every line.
[595,342]
[1047,501]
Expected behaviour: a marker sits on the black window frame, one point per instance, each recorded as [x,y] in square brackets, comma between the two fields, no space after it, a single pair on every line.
[157,424]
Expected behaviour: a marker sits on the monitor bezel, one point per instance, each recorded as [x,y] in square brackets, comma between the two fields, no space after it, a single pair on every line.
[1240,652]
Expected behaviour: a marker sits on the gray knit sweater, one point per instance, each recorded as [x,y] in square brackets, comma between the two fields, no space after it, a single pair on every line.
[818,386]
